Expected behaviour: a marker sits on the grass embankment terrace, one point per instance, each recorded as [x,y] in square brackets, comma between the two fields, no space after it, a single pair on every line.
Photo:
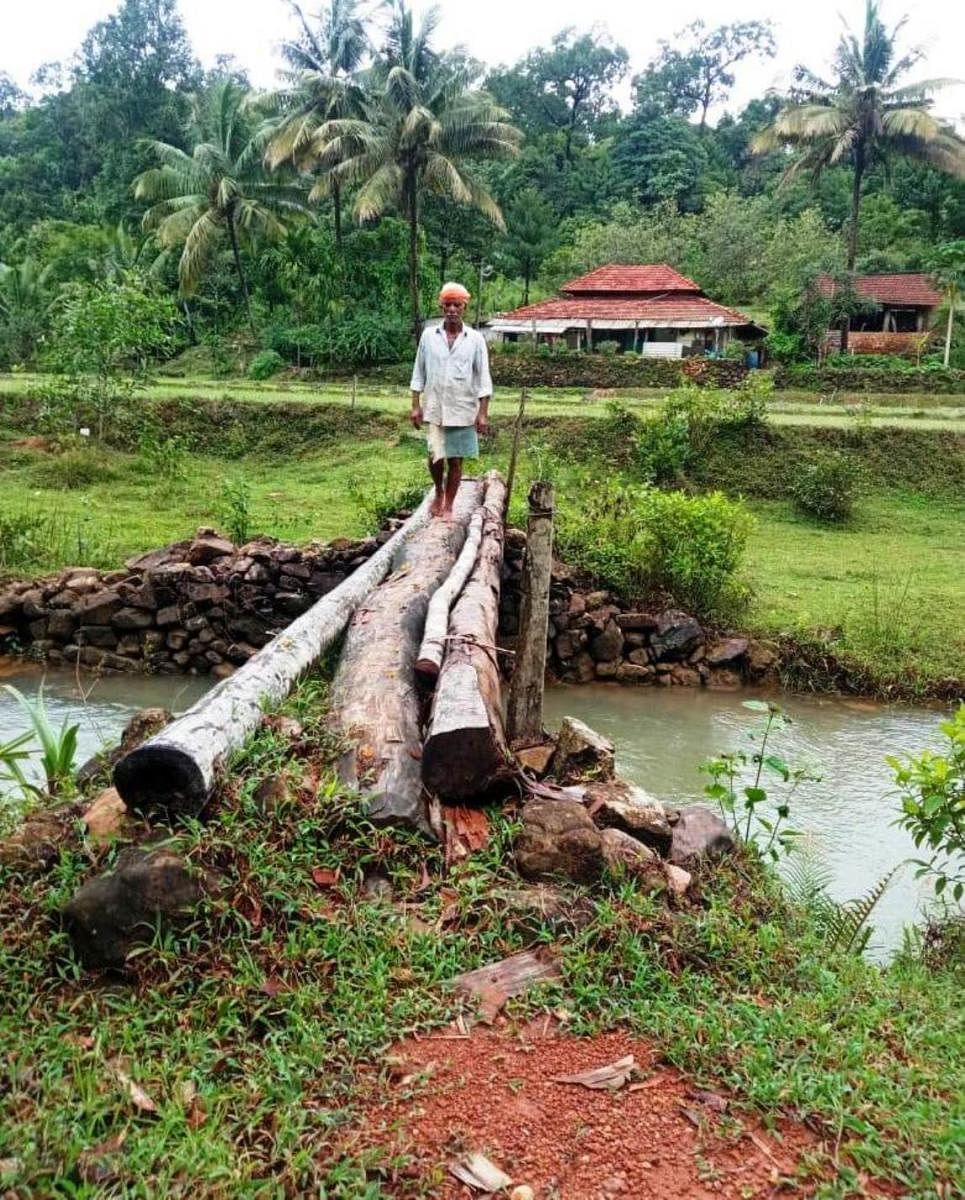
[883,593]
[919,410]
[259,1034]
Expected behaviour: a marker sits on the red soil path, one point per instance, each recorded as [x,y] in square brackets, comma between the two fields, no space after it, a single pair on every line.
[493,1092]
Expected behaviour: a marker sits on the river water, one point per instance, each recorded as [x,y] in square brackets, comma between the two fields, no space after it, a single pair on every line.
[661,738]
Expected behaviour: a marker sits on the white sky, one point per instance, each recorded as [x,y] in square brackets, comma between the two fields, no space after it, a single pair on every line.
[496,31]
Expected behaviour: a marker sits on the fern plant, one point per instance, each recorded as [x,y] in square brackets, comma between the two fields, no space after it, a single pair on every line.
[844,924]
[58,748]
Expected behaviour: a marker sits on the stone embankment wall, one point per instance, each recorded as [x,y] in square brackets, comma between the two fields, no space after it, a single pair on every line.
[594,636]
[205,606]
[198,607]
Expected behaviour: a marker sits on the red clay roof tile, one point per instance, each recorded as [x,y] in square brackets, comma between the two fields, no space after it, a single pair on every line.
[652,309]
[901,287]
[616,277]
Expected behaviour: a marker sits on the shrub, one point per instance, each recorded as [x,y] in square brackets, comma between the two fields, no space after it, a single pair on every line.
[236,509]
[607,347]
[786,347]
[858,377]
[825,487]
[265,364]
[77,467]
[637,539]
[933,806]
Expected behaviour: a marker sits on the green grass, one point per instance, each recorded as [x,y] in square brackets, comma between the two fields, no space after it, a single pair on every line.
[277,1007]
[884,592]
[887,589]
[841,410]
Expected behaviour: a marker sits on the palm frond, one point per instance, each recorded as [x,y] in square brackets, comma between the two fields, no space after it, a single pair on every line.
[200,243]
[381,193]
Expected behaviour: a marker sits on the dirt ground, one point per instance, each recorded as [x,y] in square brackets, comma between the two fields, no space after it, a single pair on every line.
[655,1138]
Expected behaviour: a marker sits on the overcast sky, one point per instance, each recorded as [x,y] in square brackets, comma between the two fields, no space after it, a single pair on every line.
[497,31]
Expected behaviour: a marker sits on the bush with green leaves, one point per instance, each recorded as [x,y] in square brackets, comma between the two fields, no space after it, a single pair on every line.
[265,364]
[932,788]
[825,487]
[639,540]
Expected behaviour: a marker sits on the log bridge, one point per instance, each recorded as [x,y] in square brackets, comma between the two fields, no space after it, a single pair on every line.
[417,687]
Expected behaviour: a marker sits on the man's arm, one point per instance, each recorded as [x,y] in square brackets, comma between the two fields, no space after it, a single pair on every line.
[484,387]
[417,384]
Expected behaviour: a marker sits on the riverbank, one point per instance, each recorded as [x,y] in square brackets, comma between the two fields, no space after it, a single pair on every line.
[252,1051]
[870,606]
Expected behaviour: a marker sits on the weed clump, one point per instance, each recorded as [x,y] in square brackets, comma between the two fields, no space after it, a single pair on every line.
[825,487]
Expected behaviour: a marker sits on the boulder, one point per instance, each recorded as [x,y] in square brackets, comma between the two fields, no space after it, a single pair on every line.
[698,834]
[676,635]
[558,838]
[630,673]
[678,880]
[104,819]
[639,657]
[608,645]
[607,670]
[725,651]
[583,668]
[97,608]
[638,622]
[619,805]
[113,913]
[623,851]
[761,657]
[685,676]
[207,547]
[536,758]
[36,844]
[569,643]
[581,754]
[723,680]
[61,625]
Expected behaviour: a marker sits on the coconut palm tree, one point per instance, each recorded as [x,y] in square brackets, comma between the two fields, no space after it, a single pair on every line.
[26,291]
[865,117]
[322,88]
[948,268]
[422,125]
[217,194]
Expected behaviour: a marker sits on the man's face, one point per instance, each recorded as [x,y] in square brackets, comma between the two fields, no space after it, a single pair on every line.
[452,310]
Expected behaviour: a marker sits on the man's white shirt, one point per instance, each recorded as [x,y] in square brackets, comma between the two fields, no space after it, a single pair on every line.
[452,381]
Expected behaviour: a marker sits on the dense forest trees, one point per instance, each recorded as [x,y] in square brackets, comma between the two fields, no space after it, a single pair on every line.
[317,220]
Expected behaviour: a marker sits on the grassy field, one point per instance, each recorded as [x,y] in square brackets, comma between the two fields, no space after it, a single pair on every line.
[887,589]
[258,1035]
[841,410]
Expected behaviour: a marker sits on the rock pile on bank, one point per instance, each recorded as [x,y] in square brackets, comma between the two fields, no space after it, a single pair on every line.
[593,635]
[199,607]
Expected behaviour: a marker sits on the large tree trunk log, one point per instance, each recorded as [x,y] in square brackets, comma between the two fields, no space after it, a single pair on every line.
[524,719]
[374,696]
[465,753]
[174,771]
[433,647]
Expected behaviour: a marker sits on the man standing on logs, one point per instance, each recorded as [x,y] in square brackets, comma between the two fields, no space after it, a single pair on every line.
[451,389]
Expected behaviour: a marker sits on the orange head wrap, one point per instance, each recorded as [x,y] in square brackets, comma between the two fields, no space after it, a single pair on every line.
[453,291]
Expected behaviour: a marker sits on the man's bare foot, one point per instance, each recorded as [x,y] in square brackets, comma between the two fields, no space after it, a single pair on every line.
[437,505]
[446,511]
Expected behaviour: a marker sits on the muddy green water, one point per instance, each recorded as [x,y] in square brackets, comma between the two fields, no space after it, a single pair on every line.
[661,737]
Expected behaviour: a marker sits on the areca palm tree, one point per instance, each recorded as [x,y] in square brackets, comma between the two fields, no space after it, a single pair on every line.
[865,116]
[421,127]
[219,193]
[323,87]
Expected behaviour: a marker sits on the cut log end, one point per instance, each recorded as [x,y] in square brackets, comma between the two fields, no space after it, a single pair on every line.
[428,670]
[161,779]
[464,764]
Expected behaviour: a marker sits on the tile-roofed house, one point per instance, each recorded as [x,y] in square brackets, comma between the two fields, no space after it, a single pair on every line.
[899,314]
[650,307]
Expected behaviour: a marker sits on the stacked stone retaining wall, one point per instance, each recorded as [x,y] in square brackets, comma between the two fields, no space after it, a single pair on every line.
[199,607]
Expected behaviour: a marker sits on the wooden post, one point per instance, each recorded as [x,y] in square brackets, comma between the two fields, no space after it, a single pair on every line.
[524,724]
[355,389]
[517,433]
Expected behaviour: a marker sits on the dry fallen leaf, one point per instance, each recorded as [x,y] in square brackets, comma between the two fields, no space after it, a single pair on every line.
[325,877]
[480,1173]
[612,1076]
[138,1097]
